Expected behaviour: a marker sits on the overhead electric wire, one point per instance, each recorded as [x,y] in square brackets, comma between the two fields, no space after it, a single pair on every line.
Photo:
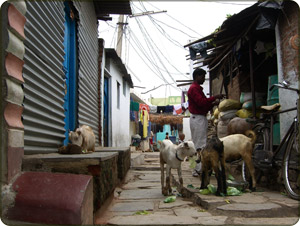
[140,46]
[144,60]
[162,54]
[177,21]
[153,53]
[147,36]
[174,28]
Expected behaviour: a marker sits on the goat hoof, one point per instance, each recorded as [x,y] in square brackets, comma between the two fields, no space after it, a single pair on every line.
[253,189]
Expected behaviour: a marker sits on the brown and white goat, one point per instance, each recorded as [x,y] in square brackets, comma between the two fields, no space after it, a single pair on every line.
[235,146]
[212,158]
[238,146]
[172,155]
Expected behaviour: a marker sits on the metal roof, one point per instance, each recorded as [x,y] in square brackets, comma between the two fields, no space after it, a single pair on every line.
[105,7]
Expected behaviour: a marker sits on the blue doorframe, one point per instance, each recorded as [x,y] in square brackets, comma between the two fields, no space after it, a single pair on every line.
[106,113]
[70,68]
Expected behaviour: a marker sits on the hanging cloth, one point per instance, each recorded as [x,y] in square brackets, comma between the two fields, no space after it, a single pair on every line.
[144,107]
[134,106]
[153,109]
[177,109]
[169,109]
[144,120]
[161,109]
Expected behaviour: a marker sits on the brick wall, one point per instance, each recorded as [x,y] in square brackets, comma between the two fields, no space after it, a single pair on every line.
[288,27]
[12,54]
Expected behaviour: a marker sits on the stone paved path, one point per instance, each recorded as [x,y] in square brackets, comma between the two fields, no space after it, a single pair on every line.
[141,193]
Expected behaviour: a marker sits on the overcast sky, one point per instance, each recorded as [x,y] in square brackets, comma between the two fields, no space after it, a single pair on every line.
[153,45]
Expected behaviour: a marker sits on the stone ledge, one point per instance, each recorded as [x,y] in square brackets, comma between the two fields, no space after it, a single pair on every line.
[124,159]
[101,165]
[50,198]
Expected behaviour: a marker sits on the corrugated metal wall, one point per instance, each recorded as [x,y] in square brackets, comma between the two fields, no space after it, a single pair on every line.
[43,115]
[44,86]
[88,66]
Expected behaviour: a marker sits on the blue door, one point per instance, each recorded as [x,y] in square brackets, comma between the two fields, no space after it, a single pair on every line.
[106,113]
[70,68]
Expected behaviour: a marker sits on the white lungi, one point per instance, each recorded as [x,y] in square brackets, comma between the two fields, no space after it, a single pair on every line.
[198,126]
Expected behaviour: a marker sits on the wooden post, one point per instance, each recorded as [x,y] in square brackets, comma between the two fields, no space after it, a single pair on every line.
[252,79]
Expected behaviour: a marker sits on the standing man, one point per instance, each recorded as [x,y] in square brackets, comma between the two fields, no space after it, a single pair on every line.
[199,106]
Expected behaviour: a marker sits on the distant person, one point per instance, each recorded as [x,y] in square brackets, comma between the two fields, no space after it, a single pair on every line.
[199,106]
[167,136]
[151,141]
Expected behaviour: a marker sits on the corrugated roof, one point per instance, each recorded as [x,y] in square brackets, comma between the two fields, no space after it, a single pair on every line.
[230,31]
[105,7]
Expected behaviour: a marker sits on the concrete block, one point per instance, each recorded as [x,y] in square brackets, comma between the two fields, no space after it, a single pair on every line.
[124,159]
[13,116]
[14,161]
[14,92]
[14,67]
[16,20]
[15,45]
[15,138]
[101,165]
[48,198]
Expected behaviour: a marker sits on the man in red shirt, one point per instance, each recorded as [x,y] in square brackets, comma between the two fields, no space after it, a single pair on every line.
[199,106]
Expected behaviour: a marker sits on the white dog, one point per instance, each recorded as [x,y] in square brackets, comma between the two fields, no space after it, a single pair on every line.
[172,155]
[84,137]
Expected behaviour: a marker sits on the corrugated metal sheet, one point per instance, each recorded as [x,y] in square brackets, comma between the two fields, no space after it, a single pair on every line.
[112,7]
[43,115]
[88,66]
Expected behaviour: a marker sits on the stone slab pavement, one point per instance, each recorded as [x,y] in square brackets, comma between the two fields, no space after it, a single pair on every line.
[138,201]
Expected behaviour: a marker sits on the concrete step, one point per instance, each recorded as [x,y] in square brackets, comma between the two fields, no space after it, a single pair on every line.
[52,198]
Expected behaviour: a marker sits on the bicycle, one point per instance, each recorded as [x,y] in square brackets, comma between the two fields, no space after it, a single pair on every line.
[286,155]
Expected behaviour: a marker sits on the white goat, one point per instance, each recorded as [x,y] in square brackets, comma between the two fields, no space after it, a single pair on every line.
[172,155]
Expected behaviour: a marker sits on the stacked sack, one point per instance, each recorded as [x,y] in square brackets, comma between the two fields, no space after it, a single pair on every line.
[226,111]
[246,101]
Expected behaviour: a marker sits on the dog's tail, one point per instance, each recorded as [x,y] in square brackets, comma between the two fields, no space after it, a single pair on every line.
[251,134]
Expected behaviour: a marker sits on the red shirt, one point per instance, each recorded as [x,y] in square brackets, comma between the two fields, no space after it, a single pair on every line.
[199,104]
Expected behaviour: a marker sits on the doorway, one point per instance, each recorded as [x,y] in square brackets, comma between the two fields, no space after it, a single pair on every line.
[70,69]
[106,119]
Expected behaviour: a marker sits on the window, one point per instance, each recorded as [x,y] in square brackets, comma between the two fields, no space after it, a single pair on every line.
[118,95]
[124,87]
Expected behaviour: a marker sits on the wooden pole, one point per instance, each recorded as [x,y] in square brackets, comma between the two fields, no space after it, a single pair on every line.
[252,79]
[120,35]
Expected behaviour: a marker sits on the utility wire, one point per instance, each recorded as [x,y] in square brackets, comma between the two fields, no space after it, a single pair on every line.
[177,21]
[147,37]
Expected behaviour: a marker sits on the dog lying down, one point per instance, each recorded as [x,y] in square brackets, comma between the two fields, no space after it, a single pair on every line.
[172,155]
[232,147]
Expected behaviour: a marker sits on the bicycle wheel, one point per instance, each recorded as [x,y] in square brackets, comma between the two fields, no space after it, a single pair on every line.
[291,176]
[262,136]
[259,153]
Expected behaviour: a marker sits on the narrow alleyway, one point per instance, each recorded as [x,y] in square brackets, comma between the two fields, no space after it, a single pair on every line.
[138,201]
